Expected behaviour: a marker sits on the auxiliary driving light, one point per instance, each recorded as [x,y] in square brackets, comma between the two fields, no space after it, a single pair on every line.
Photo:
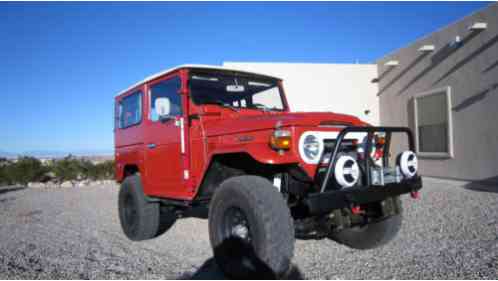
[347,171]
[408,163]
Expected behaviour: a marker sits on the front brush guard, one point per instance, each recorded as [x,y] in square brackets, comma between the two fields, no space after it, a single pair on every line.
[329,199]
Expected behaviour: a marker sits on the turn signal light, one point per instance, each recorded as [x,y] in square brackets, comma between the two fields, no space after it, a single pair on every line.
[380,141]
[281,140]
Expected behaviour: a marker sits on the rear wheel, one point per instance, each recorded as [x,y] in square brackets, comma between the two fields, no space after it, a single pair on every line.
[250,228]
[140,219]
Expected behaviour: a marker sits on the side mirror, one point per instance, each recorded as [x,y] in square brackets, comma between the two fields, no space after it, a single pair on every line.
[163,108]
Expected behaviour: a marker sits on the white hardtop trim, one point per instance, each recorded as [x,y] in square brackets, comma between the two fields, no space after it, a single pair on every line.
[198,66]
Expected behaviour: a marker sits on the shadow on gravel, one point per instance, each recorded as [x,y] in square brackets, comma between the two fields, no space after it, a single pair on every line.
[4,190]
[210,271]
[486,185]
[240,259]
[200,212]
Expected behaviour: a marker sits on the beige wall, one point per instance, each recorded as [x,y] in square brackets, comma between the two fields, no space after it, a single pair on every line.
[341,88]
[471,71]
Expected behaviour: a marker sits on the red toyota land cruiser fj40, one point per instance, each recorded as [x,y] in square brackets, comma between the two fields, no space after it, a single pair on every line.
[225,140]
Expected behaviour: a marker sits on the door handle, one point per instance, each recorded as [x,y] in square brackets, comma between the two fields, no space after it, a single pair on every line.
[151,145]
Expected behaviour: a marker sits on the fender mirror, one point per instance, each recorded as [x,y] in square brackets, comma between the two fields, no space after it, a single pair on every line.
[163,108]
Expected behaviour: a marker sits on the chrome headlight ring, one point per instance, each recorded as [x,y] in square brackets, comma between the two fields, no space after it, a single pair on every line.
[310,147]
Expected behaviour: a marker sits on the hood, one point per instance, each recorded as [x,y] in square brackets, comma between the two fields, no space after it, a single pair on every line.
[246,123]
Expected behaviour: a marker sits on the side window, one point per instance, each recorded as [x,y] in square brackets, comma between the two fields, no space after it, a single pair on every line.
[166,89]
[130,110]
[433,123]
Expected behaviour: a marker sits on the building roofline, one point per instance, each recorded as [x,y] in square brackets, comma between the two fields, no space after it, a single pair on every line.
[191,66]
[425,36]
[318,63]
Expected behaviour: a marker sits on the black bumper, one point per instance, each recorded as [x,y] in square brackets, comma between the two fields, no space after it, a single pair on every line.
[329,198]
[325,202]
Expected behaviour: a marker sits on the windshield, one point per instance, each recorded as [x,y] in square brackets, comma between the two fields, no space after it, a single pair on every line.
[236,91]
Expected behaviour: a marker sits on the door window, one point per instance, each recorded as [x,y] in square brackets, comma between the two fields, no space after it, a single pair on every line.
[130,110]
[166,89]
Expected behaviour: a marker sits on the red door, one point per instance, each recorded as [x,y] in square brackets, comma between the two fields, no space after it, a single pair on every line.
[163,162]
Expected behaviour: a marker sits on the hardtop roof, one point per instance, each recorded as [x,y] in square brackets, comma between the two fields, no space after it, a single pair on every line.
[191,66]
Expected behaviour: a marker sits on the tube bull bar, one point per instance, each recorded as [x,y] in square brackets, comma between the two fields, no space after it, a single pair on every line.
[328,200]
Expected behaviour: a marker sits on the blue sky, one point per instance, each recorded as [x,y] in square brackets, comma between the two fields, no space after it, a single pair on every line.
[62,63]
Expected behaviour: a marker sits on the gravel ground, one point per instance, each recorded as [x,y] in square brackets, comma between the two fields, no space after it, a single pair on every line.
[450,233]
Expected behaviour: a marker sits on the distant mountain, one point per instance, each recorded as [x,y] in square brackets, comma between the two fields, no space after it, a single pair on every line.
[45,153]
[57,153]
[60,153]
[5,154]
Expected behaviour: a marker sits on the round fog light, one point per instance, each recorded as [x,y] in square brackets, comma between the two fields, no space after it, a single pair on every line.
[408,163]
[346,171]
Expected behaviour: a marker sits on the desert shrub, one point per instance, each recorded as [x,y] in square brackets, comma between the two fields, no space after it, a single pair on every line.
[68,168]
[105,170]
[24,170]
[71,168]
[3,176]
[86,169]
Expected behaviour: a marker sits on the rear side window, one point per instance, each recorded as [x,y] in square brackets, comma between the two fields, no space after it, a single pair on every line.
[130,110]
[166,89]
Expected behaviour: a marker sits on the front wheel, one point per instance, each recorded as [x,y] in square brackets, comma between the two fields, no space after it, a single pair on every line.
[251,229]
[372,235]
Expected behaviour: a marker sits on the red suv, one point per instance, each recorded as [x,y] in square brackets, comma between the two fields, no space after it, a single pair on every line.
[205,137]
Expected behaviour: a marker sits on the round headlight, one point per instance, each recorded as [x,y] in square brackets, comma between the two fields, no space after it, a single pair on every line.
[311,147]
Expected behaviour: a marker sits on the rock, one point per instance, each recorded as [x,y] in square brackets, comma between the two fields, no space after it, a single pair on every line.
[36,185]
[108,182]
[49,176]
[96,183]
[83,183]
[66,184]
[52,183]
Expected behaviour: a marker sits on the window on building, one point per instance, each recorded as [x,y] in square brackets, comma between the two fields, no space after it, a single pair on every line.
[433,123]
[130,110]
[166,89]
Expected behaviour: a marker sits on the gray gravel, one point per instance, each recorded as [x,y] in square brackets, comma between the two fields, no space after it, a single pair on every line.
[450,233]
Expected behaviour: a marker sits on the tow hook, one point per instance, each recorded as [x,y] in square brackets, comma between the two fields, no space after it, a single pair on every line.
[415,194]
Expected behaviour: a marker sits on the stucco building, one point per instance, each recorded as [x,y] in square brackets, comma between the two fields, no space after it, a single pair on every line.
[343,88]
[443,86]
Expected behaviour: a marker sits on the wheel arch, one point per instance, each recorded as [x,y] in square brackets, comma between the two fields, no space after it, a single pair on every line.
[124,170]
[224,166]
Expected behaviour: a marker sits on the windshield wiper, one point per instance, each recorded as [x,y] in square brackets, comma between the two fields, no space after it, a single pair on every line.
[264,107]
[224,104]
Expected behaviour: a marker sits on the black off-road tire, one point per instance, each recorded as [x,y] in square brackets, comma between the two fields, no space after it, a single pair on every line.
[269,252]
[140,219]
[371,236]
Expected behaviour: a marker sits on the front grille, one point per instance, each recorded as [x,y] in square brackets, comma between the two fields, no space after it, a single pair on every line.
[347,146]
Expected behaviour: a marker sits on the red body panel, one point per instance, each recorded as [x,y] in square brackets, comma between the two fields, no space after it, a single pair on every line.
[172,172]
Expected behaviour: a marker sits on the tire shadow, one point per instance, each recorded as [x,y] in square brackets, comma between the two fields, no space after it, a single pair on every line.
[211,271]
[239,258]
